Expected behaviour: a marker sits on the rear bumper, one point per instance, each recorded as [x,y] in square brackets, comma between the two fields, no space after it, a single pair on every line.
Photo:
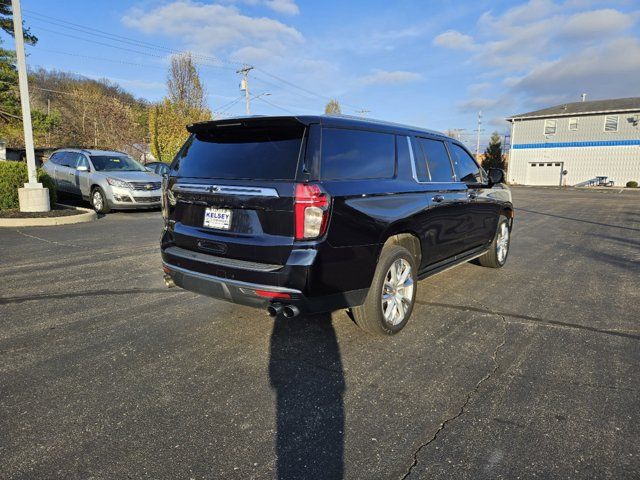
[243,293]
[240,282]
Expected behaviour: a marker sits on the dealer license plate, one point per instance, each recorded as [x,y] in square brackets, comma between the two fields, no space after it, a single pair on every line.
[219,218]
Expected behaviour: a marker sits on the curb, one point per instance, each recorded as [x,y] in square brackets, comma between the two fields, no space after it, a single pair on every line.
[88,216]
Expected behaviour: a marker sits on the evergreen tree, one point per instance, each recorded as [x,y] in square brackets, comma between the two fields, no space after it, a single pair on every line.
[493,153]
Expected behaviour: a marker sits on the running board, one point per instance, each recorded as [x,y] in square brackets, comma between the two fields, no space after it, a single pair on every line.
[449,265]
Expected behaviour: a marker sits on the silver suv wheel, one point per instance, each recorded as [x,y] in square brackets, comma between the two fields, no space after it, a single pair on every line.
[97,200]
[502,242]
[397,292]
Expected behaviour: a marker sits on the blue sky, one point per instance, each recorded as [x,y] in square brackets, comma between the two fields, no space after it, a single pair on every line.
[432,64]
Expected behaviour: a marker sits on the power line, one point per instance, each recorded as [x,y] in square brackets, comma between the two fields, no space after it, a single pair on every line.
[276,106]
[120,38]
[102,59]
[214,61]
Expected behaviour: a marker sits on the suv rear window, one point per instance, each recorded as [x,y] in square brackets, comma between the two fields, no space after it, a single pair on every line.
[357,154]
[263,153]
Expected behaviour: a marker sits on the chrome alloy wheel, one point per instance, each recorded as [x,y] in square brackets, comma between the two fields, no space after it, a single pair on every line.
[397,292]
[502,242]
[97,200]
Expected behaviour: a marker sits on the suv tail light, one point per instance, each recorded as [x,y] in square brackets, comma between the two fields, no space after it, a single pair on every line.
[311,210]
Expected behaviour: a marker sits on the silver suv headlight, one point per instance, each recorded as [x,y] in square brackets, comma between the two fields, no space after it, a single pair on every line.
[114,182]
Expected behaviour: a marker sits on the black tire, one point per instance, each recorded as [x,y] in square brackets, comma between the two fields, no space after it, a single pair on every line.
[369,316]
[492,258]
[102,207]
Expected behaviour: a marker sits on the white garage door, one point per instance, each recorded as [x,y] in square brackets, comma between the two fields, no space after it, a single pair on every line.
[547,173]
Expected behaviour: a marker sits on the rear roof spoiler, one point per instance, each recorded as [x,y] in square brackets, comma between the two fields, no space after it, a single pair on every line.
[255,121]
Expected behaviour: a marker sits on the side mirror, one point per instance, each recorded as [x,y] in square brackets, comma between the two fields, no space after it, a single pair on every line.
[82,168]
[496,175]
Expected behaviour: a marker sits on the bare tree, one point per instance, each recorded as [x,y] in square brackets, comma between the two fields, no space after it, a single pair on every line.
[183,81]
[333,107]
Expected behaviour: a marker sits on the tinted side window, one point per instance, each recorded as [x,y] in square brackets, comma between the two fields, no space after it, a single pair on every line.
[55,158]
[73,159]
[466,167]
[82,161]
[438,163]
[356,154]
[68,159]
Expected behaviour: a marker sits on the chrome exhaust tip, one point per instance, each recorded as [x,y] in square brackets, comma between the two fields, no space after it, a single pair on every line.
[274,309]
[290,311]
[168,281]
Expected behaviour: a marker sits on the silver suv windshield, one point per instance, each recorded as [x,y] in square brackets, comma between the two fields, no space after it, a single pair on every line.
[119,163]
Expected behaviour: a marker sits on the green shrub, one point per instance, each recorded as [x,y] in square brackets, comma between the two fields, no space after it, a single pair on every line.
[632,184]
[13,175]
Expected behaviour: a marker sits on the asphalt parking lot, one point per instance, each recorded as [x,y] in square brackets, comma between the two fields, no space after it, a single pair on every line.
[528,371]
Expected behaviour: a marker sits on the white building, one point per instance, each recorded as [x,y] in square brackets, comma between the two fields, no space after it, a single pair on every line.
[574,143]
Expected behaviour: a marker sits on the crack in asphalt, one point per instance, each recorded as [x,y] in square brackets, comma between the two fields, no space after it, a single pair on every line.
[53,242]
[470,394]
[527,319]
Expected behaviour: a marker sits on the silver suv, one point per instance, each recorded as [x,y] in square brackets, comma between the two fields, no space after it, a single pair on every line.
[107,179]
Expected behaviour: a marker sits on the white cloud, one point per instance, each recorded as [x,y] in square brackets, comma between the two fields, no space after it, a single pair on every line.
[546,50]
[384,77]
[455,40]
[212,27]
[610,70]
[596,23]
[286,7]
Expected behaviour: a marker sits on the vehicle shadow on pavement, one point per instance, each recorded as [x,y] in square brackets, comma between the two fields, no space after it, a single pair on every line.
[305,371]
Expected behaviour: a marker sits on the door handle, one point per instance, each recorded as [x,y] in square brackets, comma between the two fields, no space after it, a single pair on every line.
[472,195]
[438,198]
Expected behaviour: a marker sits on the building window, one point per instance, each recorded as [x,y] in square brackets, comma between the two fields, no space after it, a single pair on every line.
[573,124]
[611,123]
[549,127]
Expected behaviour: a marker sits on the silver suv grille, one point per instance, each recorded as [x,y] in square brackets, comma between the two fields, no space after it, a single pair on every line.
[147,199]
[145,186]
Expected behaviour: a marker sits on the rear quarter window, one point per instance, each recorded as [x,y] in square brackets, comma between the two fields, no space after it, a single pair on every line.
[356,154]
[264,153]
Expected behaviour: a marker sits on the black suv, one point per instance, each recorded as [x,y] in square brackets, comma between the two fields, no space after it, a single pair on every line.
[312,214]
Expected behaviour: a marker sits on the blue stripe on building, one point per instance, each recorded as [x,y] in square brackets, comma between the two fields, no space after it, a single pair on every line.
[603,143]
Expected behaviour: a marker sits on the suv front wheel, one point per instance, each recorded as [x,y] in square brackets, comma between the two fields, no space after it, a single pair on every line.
[497,254]
[390,300]
[99,201]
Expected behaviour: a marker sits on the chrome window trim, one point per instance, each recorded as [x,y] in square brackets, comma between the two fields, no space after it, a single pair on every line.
[225,189]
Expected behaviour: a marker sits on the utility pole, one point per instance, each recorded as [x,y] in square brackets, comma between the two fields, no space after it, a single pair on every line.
[478,130]
[33,197]
[48,113]
[244,86]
